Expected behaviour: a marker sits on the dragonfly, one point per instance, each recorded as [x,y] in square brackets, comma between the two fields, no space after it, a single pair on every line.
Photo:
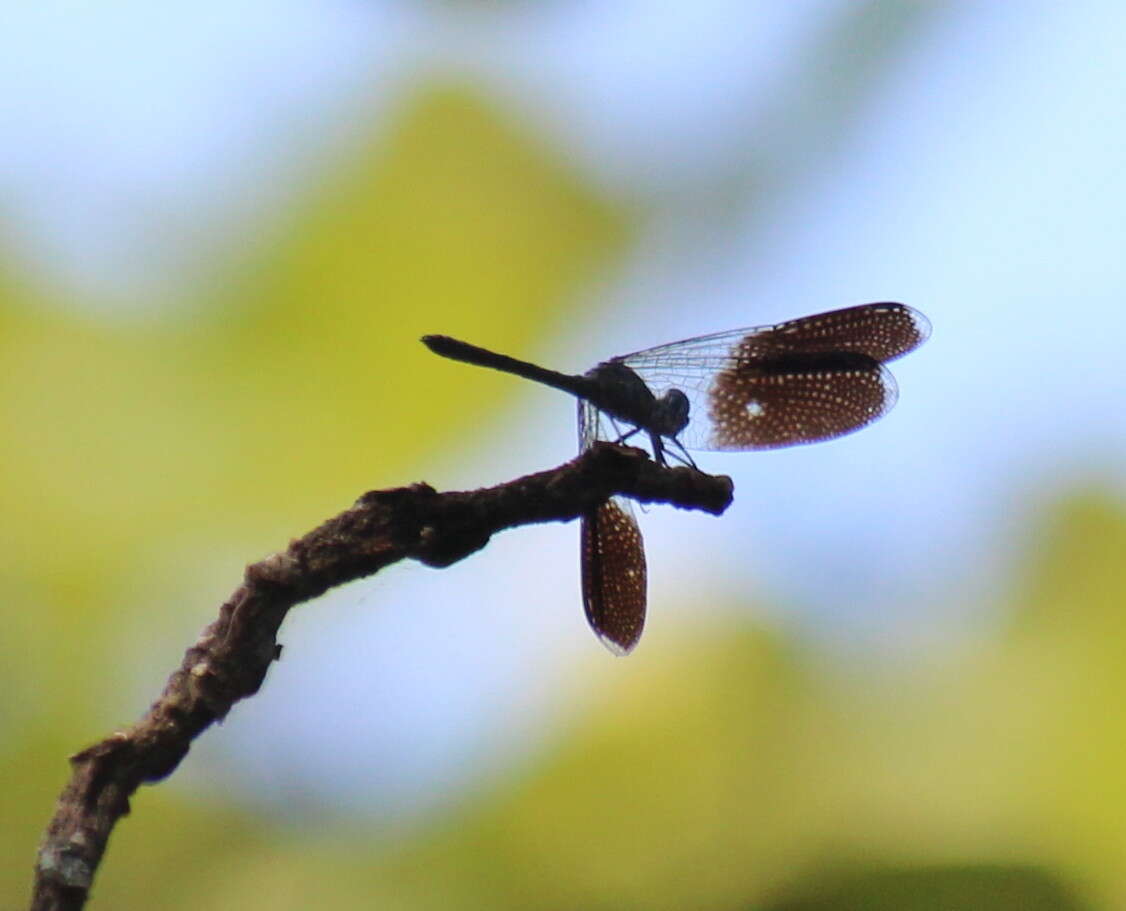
[764,387]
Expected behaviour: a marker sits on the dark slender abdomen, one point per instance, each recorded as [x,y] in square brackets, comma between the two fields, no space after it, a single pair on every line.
[482,357]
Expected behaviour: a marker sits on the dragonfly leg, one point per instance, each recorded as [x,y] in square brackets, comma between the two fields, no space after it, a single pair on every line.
[654,439]
[629,434]
[682,455]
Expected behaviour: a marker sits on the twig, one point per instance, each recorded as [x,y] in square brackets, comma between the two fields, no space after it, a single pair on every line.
[230,659]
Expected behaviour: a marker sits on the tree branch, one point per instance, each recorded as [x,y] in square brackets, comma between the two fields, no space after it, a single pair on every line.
[230,659]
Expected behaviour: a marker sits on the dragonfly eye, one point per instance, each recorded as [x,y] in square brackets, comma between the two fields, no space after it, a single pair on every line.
[672,412]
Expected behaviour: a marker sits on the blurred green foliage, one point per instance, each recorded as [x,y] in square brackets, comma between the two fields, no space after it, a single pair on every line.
[995,887]
[300,384]
[736,770]
[741,767]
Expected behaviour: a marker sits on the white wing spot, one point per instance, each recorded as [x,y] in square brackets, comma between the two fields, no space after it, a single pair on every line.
[755,409]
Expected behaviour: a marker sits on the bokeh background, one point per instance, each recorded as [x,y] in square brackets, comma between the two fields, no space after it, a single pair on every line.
[891,676]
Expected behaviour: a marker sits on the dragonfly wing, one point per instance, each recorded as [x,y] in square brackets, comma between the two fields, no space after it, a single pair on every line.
[612,558]
[801,399]
[801,381]
[613,575]
[883,331]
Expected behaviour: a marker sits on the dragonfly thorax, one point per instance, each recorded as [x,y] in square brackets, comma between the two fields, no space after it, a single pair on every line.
[619,392]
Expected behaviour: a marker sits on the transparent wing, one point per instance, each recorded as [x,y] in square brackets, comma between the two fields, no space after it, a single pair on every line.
[590,425]
[801,381]
[612,557]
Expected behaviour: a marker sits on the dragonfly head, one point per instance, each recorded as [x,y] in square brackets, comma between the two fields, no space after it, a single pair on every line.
[670,413]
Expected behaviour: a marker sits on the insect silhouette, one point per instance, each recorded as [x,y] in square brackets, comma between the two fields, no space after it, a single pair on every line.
[805,380]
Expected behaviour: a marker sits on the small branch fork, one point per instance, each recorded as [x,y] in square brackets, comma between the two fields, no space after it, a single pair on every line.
[230,659]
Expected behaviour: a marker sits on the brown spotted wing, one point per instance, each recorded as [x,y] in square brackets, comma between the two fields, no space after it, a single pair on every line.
[805,380]
[611,559]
